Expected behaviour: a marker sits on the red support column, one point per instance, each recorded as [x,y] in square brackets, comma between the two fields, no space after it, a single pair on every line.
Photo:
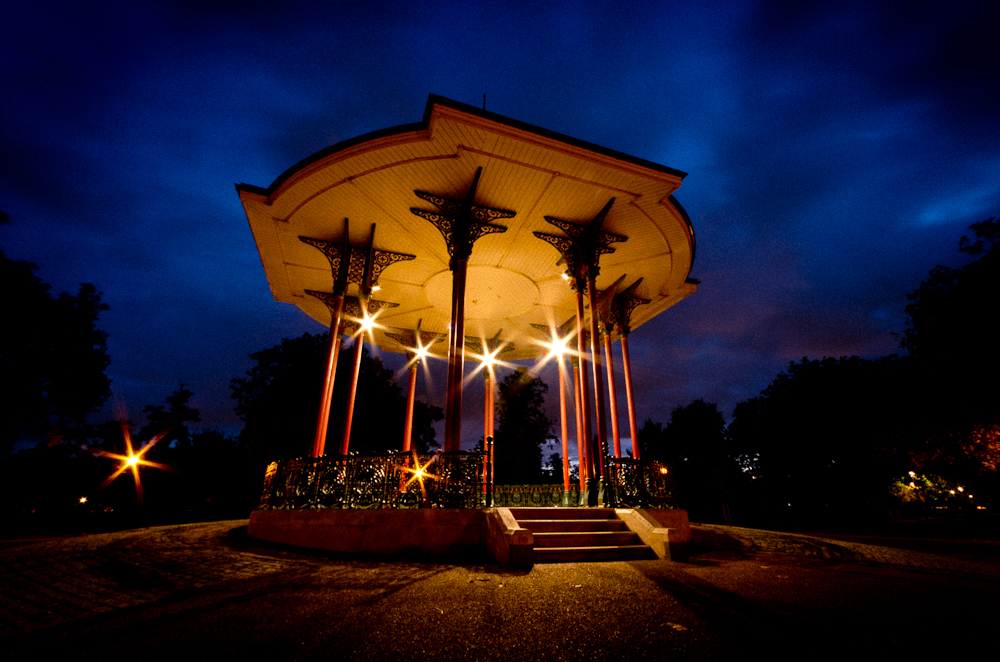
[581,250]
[584,393]
[456,359]
[410,397]
[487,407]
[346,263]
[633,429]
[612,397]
[352,393]
[491,445]
[332,352]
[493,410]
[487,423]
[595,347]
[488,420]
[581,447]
[461,223]
[563,426]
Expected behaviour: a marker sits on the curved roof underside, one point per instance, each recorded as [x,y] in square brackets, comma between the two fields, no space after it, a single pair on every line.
[514,279]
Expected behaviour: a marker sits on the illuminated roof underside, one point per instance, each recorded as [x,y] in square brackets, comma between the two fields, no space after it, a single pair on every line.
[514,279]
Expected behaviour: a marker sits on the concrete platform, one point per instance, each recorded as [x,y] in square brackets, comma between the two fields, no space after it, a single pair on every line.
[433,533]
[445,533]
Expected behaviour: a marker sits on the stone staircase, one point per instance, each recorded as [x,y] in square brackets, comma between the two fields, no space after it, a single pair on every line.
[565,535]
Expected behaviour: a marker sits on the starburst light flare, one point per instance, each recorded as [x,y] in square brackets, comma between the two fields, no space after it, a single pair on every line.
[132,460]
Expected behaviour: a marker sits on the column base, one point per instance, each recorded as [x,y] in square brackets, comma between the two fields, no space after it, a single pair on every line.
[595,493]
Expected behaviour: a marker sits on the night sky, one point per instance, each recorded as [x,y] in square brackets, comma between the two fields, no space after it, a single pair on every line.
[837,152]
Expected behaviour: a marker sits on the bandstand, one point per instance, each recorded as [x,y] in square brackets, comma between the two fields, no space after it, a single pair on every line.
[471,236]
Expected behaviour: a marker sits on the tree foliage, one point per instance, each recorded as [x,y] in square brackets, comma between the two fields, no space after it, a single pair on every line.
[696,445]
[834,433]
[951,326]
[819,436]
[54,354]
[951,339]
[201,475]
[522,428]
[170,422]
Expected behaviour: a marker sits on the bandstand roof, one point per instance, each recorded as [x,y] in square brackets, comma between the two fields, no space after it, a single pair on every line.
[514,278]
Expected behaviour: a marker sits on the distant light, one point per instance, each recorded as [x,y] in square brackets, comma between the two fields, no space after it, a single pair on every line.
[83,499]
[663,470]
[912,475]
[132,460]
[961,489]
[951,492]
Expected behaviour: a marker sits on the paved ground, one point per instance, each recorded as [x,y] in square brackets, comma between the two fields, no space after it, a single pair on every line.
[206,591]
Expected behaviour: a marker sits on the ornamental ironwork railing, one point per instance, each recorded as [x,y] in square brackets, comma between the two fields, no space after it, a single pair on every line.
[445,480]
[384,480]
[533,496]
[638,484]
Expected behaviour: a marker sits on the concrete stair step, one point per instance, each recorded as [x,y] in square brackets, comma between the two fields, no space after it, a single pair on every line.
[565,535]
[569,525]
[563,513]
[585,554]
[584,538]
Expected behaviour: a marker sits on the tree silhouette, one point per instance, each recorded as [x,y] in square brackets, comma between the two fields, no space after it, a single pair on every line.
[819,436]
[954,358]
[171,421]
[651,442]
[522,429]
[54,355]
[696,445]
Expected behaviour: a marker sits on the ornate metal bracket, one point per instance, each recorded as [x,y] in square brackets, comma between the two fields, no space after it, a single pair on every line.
[622,305]
[489,346]
[583,246]
[356,264]
[413,340]
[352,309]
[461,222]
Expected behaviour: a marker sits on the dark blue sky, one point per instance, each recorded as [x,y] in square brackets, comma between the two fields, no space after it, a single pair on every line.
[837,151]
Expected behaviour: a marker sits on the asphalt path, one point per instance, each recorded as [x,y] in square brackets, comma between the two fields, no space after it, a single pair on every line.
[208,592]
